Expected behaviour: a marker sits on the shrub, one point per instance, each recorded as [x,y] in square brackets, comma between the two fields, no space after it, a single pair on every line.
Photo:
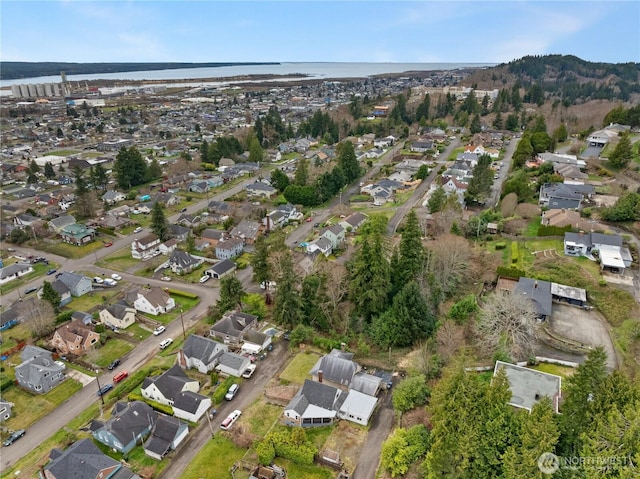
[501,245]
[221,390]
[6,383]
[182,294]
[64,317]
[403,448]
[99,328]
[301,334]
[289,444]
[553,230]
[266,452]
[168,410]
[410,393]
[463,309]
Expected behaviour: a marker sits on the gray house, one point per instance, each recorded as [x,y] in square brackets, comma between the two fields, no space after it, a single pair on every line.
[182,262]
[336,368]
[201,353]
[230,248]
[38,373]
[232,364]
[232,326]
[5,410]
[221,269]
[129,424]
[57,224]
[560,195]
[315,404]
[78,285]
[539,292]
[167,434]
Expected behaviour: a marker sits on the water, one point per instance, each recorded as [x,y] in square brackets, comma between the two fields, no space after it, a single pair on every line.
[312,70]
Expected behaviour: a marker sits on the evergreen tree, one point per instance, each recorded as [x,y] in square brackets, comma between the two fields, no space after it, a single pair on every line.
[623,152]
[561,134]
[410,254]
[80,181]
[159,224]
[154,170]
[301,176]
[279,180]
[231,294]
[260,261]
[258,130]
[480,183]
[33,167]
[369,277]
[422,112]
[348,162]
[288,303]
[512,122]
[99,177]
[130,169]
[48,171]
[524,151]
[476,125]
[256,153]
[437,200]
[498,124]
[51,296]
[204,151]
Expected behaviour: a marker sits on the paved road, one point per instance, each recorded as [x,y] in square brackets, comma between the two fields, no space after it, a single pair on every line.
[496,188]
[247,395]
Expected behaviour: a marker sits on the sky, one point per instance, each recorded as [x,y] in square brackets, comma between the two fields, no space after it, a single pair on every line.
[317,31]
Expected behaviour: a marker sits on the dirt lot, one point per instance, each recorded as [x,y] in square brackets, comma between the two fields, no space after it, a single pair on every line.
[586,327]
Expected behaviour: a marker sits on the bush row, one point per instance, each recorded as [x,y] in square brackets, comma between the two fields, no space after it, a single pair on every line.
[221,390]
[182,294]
[168,410]
[511,272]
[514,252]
[6,383]
[553,230]
[291,445]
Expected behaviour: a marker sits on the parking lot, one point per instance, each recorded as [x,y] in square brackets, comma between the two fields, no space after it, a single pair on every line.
[586,327]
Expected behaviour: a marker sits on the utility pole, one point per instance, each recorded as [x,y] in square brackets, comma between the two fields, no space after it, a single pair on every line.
[99,388]
[184,333]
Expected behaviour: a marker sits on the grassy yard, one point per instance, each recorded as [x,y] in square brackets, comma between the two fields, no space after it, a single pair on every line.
[182,304]
[562,371]
[136,331]
[62,153]
[112,349]
[306,472]
[39,269]
[13,336]
[261,417]
[71,251]
[28,408]
[217,455]
[298,369]
[532,228]
[120,260]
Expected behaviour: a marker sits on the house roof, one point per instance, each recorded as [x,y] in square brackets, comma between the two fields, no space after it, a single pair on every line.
[229,244]
[255,337]
[147,239]
[528,386]
[71,279]
[12,269]
[62,221]
[202,348]
[188,401]
[323,243]
[538,291]
[336,368]
[358,404]
[234,361]
[592,238]
[355,219]
[129,420]
[561,190]
[316,394]
[170,383]
[366,383]
[155,296]
[233,323]
[223,267]
[81,460]
[163,434]
[213,234]
[119,311]
[246,229]
[183,259]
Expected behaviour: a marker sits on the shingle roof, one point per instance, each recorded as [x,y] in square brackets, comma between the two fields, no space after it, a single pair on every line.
[171,382]
[316,394]
[81,460]
[12,269]
[336,369]
[163,434]
[188,401]
[203,348]
[129,420]
[538,291]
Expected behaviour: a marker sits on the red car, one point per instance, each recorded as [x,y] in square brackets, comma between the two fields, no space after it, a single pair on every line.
[107,244]
[309,219]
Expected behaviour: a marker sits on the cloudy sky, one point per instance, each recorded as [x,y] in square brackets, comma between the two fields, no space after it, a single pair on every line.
[317,31]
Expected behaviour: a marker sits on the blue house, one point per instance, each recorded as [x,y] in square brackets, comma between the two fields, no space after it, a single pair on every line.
[130,423]
[9,318]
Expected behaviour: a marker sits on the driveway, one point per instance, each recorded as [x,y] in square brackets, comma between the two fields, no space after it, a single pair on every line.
[586,327]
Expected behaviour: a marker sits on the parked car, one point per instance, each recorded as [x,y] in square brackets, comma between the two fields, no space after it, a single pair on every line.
[165,278]
[166,343]
[233,390]
[116,276]
[98,280]
[30,290]
[204,279]
[107,244]
[110,282]
[249,371]
[61,364]
[120,376]
[159,330]
[114,364]
[183,210]
[230,419]
[137,230]
[51,271]
[105,389]
[15,435]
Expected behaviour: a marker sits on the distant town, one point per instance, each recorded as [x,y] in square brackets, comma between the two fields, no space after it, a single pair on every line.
[275,278]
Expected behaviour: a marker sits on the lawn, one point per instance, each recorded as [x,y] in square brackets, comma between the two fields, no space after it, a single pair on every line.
[261,416]
[29,408]
[120,260]
[532,228]
[13,336]
[298,369]
[112,349]
[62,153]
[306,472]
[182,306]
[71,251]
[347,438]
[39,269]
[136,331]
[92,300]
[216,458]
[562,371]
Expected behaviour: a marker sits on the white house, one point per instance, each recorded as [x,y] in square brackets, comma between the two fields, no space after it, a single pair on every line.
[14,271]
[154,301]
[146,247]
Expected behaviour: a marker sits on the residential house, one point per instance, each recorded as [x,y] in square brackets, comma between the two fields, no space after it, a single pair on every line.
[421,146]
[85,318]
[201,353]
[166,199]
[315,404]
[561,195]
[63,290]
[10,317]
[232,364]
[168,246]
[176,389]
[78,284]
[188,220]
[182,262]
[385,142]
[231,328]
[260,189]
[255,341]
[201,244]
[231,248]
[246,230]
[84,460]
[215,181]
[199,186]
[221,269]
[335,234]
[613,256]
[130,423]
[213,236]
[14,271]
[275,219]
[112,197]
[166,435]
[61,222]
[336,368]
[539,292]
[145,247]
[153,301]
[74,337]
[38,373]
[77,234]
[320,245]
[220,207]
[118,315]
[25,219]
[529,386]
[179,232]
[5,410]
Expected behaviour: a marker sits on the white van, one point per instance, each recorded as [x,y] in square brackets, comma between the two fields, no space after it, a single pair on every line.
[166,343]
[231,392]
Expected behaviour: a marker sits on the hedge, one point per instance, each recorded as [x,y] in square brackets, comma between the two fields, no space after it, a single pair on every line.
[155,405]
[6,383]
[283,444]
[221,390]
[514,252]
[511,272]
[501,245]
[183,294]
[553,230]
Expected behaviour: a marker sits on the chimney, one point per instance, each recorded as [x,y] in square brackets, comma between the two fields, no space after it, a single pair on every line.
[320,376]
[535,285]
[343,346]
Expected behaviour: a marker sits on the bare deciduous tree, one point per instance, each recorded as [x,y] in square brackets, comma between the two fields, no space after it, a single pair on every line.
[450,338]
[508,321]
[38,316]
[336,288]
[450,262]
